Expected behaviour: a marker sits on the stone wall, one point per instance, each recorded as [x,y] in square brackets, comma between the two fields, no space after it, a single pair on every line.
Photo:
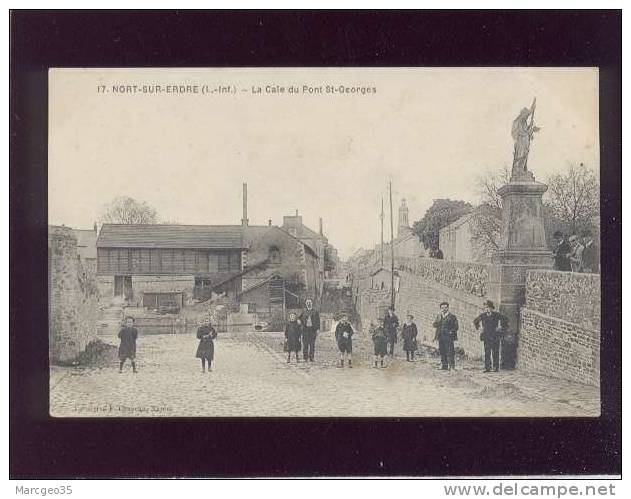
[560,326]
[558,348]
[421,298]
[566,295]
[73,297]
[468,277]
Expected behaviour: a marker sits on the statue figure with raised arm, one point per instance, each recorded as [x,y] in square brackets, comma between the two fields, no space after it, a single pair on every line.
[523,132]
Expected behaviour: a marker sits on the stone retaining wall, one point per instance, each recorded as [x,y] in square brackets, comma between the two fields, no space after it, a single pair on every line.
[73,297]
[560,326]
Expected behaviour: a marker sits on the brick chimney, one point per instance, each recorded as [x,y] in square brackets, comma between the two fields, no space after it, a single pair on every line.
[244,220]
[321,227]
[269,222]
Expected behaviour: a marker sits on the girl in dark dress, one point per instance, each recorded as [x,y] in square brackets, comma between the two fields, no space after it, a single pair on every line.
[206,349]
[409,332]
[127,349]
[293,331]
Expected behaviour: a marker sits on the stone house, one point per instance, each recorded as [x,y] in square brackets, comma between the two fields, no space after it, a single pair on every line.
[154,265]
[150,265]
[280,271]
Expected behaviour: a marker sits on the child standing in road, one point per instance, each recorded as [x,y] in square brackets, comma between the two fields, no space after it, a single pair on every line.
[206,348]
[344,337]
[293,331]
[409,332]
[380,342]
[127,349]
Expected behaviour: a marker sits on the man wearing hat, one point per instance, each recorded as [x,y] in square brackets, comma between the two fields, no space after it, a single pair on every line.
[310,322]
[493,325]
[446,325]
[391,326]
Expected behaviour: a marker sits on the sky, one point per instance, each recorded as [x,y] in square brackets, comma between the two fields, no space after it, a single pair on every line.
[431,131]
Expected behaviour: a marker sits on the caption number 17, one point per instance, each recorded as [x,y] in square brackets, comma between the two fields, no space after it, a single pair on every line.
[100,89]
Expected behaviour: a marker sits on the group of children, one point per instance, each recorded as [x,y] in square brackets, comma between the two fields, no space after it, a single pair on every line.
[344,332]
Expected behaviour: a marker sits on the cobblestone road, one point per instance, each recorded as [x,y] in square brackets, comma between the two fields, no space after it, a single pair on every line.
[250,377]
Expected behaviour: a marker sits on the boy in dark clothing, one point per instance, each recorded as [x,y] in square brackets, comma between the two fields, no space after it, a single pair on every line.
[409,332]
[493,324]
[446,325]
[127,349]
[206,348]
[344,337]
[380,342]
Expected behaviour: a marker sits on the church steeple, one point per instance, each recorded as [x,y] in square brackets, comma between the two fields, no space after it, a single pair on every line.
[403,226]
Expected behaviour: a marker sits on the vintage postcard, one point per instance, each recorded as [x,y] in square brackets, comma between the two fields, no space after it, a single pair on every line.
[330,242]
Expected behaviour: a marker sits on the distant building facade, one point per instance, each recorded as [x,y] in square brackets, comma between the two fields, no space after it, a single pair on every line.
[457,241]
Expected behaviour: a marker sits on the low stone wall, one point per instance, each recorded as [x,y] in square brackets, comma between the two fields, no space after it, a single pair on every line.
[468,277]
[73,298]
[566,295]
[560,326]
[421,298]
[558,348]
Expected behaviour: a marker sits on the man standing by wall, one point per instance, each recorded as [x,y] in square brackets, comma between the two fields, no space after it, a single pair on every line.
[446,325]
[591,254]
[562,252]
[391,324]
[576,257]
[310,321]
[493,324]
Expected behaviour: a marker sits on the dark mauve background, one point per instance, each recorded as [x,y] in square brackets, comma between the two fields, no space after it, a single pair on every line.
[42,447]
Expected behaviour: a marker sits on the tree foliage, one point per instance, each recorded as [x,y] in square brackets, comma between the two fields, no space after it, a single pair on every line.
[440,214]
[126,210]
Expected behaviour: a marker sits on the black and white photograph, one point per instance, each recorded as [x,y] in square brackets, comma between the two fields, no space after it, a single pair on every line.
[381,247]
[324,242]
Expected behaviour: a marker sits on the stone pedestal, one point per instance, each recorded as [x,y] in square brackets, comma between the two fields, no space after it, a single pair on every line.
[522,247]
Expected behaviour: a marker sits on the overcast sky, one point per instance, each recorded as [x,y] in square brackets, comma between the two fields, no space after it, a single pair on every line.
[430,131]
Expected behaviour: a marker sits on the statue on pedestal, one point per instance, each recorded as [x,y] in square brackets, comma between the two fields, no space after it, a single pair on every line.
[523,133]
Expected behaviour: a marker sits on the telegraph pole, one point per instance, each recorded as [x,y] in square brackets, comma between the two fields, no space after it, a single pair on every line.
[391,251]
[382,216]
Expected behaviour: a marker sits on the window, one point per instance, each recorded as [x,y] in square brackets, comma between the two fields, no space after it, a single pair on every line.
[224,262]
[274,254]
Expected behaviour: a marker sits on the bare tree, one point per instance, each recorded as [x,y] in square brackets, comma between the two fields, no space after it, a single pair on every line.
[574,196]
[486,223]
[488,184]
[486,227]
[126,210]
